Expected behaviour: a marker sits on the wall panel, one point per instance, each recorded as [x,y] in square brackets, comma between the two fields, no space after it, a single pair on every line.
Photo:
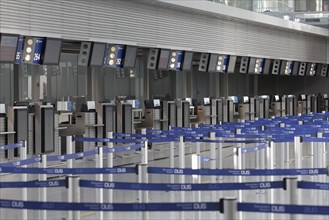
[146,24]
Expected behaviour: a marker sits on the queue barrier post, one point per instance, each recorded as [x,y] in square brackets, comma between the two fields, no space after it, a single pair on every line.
[229,207]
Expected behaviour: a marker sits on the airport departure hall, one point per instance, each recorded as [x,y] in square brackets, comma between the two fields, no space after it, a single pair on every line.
[164,109]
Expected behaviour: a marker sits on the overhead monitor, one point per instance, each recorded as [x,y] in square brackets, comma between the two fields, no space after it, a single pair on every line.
[156,103]
[52,51]
[130,57]
[163,59]
[187,62]
[213,63]
[8,46]
[231,65]
[206,101]
[98,54]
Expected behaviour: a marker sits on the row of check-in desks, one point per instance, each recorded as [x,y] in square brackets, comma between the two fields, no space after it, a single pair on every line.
[286,105]
[45,127]
[36,124]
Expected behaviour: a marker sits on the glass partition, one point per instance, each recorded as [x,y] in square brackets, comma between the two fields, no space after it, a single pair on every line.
[6,83]
[313,12]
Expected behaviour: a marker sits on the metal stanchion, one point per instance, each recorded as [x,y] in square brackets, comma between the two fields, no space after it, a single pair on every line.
[326,152]
[181,158]
[109,215]
[43,191]
[213,195]
[74,195]
[270,165]
[197,144]
[23,156]
[229,207]
[99,177]
[69,150]
[282,149]
[290,185]
[171,154]
[258,161]
[143,178]
[196,165]
[298,152]
[220,154]
[238,165]
[172,177]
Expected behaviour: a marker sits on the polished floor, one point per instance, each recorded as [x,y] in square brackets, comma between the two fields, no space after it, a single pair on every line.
[307,197]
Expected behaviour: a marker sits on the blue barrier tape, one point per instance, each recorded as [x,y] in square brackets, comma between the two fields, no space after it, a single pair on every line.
[313,185]
[72,156]
[279,208]
[116,207]
[123,170]
[11,146]
[181,187]
[205,159]
[123,149]
[21,162]
[311,139]
[227,141]
[93,152]
[106,140]
[131,135]
[34,184]
[254,149]
[249,150]
[232,172]
[161,140]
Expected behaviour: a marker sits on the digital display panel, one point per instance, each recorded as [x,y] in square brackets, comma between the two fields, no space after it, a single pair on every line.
[164,59]
[98,53]
[52,52]
[130,58]
[8,47]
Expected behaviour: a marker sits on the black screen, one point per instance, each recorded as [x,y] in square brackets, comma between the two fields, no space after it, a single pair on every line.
[213,63]
[8,44]
[97,56]
[187,63]
[52,52]
[267,67]
[130,57]
[21,126]
[164,59]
